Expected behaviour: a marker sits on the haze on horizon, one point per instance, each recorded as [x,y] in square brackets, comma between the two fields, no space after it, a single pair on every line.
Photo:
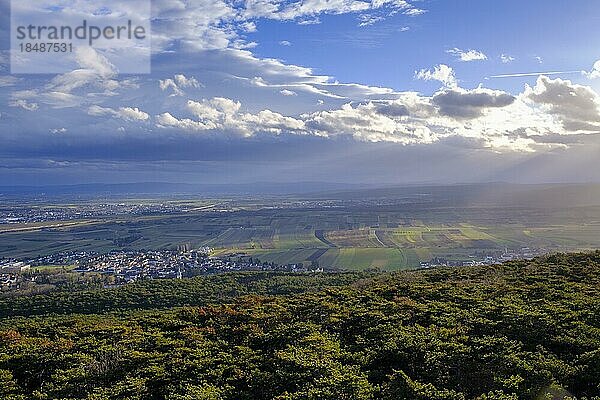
[381,91]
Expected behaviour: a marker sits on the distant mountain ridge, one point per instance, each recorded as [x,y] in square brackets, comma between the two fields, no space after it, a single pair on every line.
[487,194]
[164,188]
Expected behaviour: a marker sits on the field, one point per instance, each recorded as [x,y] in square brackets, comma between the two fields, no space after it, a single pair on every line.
[387,238]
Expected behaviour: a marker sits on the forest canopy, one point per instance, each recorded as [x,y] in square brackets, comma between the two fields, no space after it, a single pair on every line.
[521,330]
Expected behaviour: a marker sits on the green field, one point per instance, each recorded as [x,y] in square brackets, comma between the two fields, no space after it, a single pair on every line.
[365,238]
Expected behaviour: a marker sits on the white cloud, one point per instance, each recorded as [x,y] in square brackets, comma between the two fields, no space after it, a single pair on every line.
[505,58]
[595,72]
[219,24]
[413,12]
[272,122]
[467,55]
[479,117]
[8,80]
[535,119]
[441,73]
[178,83]
[249,26]
[310,21]
[538,118]
[218,109]
[132,114]
[222,115]
[91,60]
[125,113]
[367,19]
[96,71]
[185,82]
[98,111]
[285,43]
[364,123]
[60,100]
[95,79]
[24,104]
[315,7]
[353,90]
[576,106]
[166,120]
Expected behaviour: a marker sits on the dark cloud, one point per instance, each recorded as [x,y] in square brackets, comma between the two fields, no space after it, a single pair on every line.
[469,104]
[453,161]
[392,109]
[577,106]
[575,126]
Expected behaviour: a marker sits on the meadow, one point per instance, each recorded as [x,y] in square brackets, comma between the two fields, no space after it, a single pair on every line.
[366,237]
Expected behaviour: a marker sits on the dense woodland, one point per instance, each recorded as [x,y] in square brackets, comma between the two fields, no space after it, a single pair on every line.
[522,330]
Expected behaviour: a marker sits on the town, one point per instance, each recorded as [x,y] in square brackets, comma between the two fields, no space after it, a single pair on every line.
[19,214]
[481,259]
[118,268]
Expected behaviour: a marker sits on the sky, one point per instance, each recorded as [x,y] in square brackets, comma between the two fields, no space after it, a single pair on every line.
[346,91]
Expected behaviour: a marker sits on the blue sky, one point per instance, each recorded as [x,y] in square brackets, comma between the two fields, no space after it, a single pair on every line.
[523,30]
[385,91]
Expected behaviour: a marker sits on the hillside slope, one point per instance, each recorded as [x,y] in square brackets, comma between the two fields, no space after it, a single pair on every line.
[521,330]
